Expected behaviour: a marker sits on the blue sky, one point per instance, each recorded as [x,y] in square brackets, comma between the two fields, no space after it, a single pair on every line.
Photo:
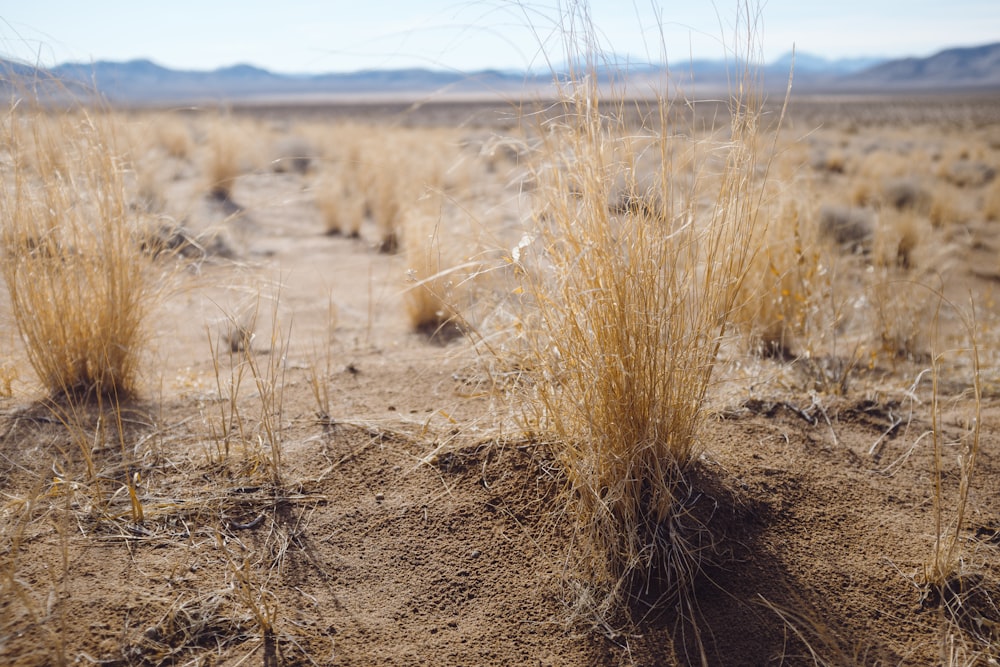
[346,35]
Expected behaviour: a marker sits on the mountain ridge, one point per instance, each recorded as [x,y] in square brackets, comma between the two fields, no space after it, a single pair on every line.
[143,81]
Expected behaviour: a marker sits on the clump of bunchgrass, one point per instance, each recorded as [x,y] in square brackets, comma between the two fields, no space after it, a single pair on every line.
[441,280]
[779,311]
[991,202]
[395,169]
[223,162]
[625,310]
[427,297]
[237,348]
[172,134]
[904,262]
[80,288]
[340,202]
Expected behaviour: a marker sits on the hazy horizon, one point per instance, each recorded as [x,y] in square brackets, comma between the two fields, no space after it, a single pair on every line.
[306,37]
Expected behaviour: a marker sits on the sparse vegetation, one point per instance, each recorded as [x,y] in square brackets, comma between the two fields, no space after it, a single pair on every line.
[753,377]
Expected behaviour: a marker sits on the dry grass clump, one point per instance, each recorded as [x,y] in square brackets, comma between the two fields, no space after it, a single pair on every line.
[833,161]
[780,309]
[343,182]
[223,161]
[80,289]
[189,623]
[391,190]
[949,206]
[991,202]
[395,167]
[948,581]
[625,313]
[899,312]
[899,239]
[172,134]
[430,295]
[878,169]
[442,267]
[340,201]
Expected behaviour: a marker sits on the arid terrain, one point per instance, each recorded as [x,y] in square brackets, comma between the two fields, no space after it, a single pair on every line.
[331,455]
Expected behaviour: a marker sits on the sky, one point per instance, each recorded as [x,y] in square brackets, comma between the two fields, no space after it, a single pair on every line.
[311,36]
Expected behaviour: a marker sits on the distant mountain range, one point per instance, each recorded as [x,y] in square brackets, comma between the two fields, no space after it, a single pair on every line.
[973,67]
[144,82]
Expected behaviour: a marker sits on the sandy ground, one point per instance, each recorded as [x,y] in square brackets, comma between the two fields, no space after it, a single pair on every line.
[412,523]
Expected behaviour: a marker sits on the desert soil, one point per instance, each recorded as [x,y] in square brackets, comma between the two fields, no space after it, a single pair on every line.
[414,523]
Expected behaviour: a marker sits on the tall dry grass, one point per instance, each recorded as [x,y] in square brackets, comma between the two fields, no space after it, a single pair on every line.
[80,288]
[393,168]
[625,309]
[956,578]
[340,201]
[430,296]
[446,266]
[223,163]
[780,311]
[172,134]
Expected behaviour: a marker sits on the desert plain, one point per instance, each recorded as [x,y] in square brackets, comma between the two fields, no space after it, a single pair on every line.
[330,455]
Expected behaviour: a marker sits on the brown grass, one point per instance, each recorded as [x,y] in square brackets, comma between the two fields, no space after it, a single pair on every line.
[339,201]
[991,201]
[80,289]
[430,293]
[443,265]
[777,310]
[172,134]
[223,162]
[626,312]
[950,582]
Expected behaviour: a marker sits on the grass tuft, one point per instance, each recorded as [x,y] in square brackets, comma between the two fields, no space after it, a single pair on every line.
[223,161]
[80,288]
[626,308]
